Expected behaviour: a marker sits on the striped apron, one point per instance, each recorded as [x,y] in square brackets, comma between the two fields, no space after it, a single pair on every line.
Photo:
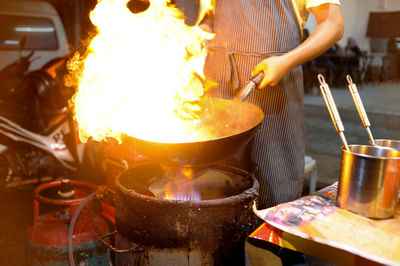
[248,31]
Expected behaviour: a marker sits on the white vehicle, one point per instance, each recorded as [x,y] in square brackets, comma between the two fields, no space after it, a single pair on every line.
[27,26]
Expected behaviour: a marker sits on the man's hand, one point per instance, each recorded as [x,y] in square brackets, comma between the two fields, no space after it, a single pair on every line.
[274,68]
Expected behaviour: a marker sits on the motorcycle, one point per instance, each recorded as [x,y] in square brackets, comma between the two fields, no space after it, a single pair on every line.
[38,140]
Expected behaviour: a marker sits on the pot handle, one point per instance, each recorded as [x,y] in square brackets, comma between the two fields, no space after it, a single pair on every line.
[133,249]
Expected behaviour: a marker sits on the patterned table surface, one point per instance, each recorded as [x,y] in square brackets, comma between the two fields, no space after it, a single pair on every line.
[317,218]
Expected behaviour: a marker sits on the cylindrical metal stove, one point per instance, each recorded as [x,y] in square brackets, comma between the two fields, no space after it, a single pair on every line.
[206,231]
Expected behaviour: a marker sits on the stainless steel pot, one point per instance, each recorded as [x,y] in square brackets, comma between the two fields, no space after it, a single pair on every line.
[394,144]
[369,180]
[369,175]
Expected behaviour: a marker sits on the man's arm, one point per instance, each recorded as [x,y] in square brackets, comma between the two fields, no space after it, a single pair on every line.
[329,31]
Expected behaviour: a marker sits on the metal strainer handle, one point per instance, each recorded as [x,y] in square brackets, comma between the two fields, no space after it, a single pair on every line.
[360,107]
[334,113]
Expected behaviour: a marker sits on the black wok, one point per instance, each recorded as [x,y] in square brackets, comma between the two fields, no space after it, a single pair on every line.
[229,125]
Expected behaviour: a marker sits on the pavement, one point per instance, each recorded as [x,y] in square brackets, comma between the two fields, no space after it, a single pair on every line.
[382,105]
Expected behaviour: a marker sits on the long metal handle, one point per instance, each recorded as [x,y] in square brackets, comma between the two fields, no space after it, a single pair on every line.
[360,107]
[334,113]
[249,87]
[133,249]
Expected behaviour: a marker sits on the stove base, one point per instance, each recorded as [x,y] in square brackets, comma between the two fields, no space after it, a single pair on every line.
[155,256]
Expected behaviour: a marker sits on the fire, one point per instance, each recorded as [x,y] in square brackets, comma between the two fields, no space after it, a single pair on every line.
[183,196]
[192,184]
[182,188]
[142,74]
[177,184]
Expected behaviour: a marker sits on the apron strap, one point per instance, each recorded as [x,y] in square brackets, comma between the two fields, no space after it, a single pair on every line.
[234,77]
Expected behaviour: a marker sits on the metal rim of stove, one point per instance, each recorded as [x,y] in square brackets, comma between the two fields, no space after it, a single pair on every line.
[197,203]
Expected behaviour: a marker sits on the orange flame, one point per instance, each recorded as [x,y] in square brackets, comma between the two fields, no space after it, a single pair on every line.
[181,186]
[138,72]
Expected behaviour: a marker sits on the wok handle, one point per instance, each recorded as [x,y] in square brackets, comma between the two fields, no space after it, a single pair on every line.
[360,107]
[249,87]
[334,113]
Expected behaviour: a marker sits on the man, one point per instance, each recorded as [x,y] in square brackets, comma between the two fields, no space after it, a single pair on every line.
[254,36]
